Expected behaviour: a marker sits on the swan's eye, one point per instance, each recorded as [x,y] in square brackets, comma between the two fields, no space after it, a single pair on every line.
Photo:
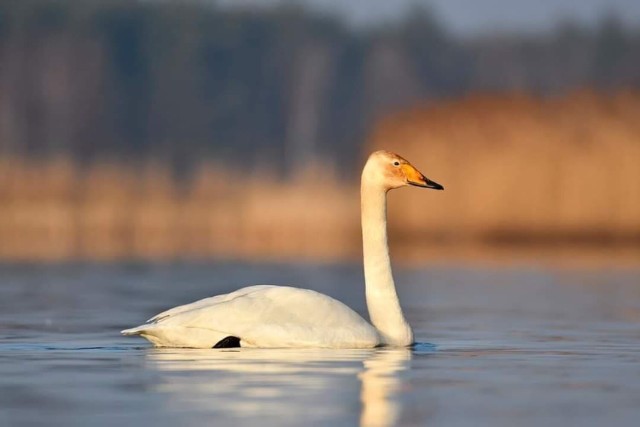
[396,163]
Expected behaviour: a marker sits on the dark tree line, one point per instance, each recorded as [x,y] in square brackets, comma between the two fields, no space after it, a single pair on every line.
[184,81]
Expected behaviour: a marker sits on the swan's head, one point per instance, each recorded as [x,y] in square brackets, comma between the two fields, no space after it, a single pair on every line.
[388,171]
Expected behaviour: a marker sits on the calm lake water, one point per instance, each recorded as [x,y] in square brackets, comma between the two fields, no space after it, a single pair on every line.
[500,347]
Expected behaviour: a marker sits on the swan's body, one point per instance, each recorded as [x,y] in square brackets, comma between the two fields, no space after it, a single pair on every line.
[262,316]
[282,316]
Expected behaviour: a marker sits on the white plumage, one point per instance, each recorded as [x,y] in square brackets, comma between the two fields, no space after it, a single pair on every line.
[261,316]
[281,316]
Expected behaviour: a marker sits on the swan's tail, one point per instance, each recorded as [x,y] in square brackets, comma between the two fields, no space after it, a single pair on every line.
[138,330]
[147,331]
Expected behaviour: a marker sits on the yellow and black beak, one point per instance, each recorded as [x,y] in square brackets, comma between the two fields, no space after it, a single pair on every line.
[414,177]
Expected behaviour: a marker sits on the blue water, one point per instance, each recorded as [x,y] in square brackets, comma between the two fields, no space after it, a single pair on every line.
[515,346]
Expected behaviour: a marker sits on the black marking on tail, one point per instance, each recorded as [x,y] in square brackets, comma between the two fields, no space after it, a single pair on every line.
[228,342]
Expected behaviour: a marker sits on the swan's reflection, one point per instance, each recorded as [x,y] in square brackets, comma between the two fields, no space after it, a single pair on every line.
[381,384]
[304,385]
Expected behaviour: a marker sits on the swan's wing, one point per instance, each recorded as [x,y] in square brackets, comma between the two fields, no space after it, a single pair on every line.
[271,316]
[205,302]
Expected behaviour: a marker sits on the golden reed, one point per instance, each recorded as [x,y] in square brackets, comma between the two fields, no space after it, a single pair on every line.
[56,212]
[559,172]
[519,172]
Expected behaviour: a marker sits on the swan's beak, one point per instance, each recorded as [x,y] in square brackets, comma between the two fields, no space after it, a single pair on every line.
[414,177]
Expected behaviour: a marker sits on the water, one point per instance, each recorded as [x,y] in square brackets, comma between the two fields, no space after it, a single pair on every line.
[520,346]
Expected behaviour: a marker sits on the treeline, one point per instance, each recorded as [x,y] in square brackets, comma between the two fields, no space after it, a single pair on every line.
[186,81]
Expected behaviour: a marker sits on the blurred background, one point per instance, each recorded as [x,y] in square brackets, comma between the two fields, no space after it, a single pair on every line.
[168,130]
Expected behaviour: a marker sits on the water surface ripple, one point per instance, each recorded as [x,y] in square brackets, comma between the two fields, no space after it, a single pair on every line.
[519,346]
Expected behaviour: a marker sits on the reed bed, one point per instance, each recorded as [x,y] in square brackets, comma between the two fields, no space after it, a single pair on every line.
[56,212]
[519,172]
[522,171]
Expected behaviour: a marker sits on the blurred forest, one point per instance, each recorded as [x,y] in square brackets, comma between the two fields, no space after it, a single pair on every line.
[178,129]
[186,81]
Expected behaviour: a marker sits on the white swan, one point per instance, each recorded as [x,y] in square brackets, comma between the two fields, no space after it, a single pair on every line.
[281,316]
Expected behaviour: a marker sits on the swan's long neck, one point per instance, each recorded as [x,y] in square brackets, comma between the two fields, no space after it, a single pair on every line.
[382,300]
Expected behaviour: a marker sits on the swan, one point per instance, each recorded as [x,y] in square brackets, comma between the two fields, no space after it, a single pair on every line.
[269,316]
